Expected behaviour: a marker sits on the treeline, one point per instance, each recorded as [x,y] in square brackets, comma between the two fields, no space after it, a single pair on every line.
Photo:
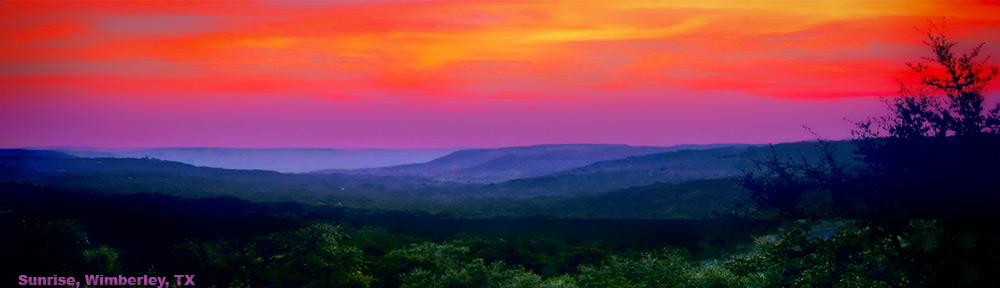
[235,243]
[908,253]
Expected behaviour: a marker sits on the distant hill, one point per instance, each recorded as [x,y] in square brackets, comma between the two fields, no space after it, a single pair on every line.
[708,163]
[26,172]
[291,160]
[574,182]
[482,166]
[666,167]
[136,176]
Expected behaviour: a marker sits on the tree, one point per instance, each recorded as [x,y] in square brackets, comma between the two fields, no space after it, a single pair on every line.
[314,256]
[935,153]
[932,155]
[947,101]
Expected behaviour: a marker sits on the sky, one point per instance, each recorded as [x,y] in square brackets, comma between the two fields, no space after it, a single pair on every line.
[412,74]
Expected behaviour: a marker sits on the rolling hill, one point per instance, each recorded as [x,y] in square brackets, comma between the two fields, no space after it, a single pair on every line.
[666,167]
[579,180]
[290,160]
[484,166]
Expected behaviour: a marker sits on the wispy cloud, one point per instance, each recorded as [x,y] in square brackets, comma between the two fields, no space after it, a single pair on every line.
[438,52]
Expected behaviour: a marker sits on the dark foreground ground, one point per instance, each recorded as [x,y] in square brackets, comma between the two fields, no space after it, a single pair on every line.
[227,242]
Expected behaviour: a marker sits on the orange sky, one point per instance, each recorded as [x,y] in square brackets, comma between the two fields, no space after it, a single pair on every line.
[431,65]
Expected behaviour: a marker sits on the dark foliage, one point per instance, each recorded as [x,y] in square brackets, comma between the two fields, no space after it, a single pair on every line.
[933,156]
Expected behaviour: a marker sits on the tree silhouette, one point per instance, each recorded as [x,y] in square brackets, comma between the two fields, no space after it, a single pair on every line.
[947,101]
[933,155]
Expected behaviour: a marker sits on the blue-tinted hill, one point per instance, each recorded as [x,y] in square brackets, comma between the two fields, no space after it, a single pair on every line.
[292,160]
[656,178]
[482,166]
[665,167]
